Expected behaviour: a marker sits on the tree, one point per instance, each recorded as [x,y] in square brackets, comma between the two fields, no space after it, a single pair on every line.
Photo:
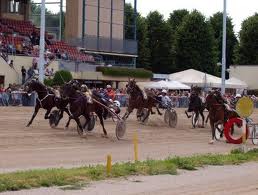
[216,22]
[159,43]
[175,20]
[129,21]
[61,77]
[195,44]
[143,60]
[248,48]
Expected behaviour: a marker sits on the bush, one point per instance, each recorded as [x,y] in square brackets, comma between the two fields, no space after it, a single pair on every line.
[61,77]
[126,72]
[48,82]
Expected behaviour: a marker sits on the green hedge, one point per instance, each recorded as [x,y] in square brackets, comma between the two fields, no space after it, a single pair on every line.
[125,72]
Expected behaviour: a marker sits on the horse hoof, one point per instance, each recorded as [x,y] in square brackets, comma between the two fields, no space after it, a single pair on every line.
[211,141]
[202,126]
[104,135]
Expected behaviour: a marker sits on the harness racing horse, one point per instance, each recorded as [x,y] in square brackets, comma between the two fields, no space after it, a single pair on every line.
[137,101]
[46,99]
[218,112]
[196,105]
[79,106]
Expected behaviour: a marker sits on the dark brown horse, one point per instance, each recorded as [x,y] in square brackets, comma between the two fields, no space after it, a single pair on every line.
[138,101]
[46,99]
[218,113]
[197,106]
[79,105]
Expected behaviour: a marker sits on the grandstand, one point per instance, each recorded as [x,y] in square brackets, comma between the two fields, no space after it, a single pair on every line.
[94,34]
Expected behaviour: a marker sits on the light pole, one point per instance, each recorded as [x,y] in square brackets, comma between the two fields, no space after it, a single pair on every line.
[224,42]
[42,42]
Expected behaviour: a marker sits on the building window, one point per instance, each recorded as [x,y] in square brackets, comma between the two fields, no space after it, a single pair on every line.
[14,6]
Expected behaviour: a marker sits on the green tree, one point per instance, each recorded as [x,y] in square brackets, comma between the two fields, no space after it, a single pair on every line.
[248,48]
[159,43]
[175,20]
[143,60]
[216,22]
[195,44]
[61,77]
[129,21]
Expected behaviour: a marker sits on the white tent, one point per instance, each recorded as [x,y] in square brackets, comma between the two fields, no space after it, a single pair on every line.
[174,85]
[196,78]
[235,83]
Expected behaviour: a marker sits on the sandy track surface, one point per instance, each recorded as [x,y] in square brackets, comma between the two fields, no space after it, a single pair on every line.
[39,146]
[210,180]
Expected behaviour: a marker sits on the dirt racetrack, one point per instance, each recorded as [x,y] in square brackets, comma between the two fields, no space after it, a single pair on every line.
[39,146]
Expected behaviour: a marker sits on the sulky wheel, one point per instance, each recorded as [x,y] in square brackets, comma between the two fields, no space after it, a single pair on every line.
[120,129]
[173,119]
[54,118]
[166,116]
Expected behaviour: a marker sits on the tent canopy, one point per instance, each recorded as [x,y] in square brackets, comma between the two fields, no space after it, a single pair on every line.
[235,83]
[201,79]
[173,85]
[196,78]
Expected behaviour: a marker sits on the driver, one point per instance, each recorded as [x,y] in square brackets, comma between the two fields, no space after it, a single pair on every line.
[87,92]
[110,93]
[166,101]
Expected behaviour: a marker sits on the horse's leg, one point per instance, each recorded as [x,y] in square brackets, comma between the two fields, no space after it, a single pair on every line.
[47,113]
[216,125]
[37,107]
[212,132]
[148,114]
[186,113]
[79,125]
[157,108]
[208,116]
[128,112]
[99,113]
[196,117]
[203,118]
[68,122]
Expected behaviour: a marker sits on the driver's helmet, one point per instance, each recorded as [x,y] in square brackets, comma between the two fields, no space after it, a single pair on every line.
[164,91]
[117,103]
[84,88]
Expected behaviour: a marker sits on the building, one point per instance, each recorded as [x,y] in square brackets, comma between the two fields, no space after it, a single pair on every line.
[246,73]
[98,27]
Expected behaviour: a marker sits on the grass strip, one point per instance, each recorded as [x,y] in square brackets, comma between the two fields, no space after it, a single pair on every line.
[76,176]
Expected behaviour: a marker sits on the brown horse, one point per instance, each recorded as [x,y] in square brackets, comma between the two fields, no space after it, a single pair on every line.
[218,113]
[138,101]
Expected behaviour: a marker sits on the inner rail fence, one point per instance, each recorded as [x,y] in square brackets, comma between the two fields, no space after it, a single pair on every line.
[17,98]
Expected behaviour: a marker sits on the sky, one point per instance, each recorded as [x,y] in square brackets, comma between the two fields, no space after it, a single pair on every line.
[238,10]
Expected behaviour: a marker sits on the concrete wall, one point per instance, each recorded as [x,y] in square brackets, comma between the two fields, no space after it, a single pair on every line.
[11,76]
[246,73]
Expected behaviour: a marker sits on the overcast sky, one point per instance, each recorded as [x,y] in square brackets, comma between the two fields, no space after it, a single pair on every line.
[238,10]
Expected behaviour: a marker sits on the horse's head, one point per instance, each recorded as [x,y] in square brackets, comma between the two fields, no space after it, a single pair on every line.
[131,86]
[211,99]
[34,85]
[75,84]
[68,90]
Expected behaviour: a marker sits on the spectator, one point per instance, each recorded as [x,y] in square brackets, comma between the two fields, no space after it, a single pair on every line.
[30,72]
[23,71]
[11,64]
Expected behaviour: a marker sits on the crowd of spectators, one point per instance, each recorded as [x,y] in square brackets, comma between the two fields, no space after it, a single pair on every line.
[22,38]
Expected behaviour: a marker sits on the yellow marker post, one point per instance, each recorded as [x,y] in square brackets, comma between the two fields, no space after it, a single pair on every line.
[244,131]
[109,164]
[135,143]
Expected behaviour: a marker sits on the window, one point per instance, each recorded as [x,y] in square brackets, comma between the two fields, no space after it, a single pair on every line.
[14,6]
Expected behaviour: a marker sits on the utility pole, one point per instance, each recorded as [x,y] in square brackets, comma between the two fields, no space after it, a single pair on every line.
[224,47]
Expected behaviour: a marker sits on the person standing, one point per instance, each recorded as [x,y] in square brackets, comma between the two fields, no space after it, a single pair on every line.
[23,71]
